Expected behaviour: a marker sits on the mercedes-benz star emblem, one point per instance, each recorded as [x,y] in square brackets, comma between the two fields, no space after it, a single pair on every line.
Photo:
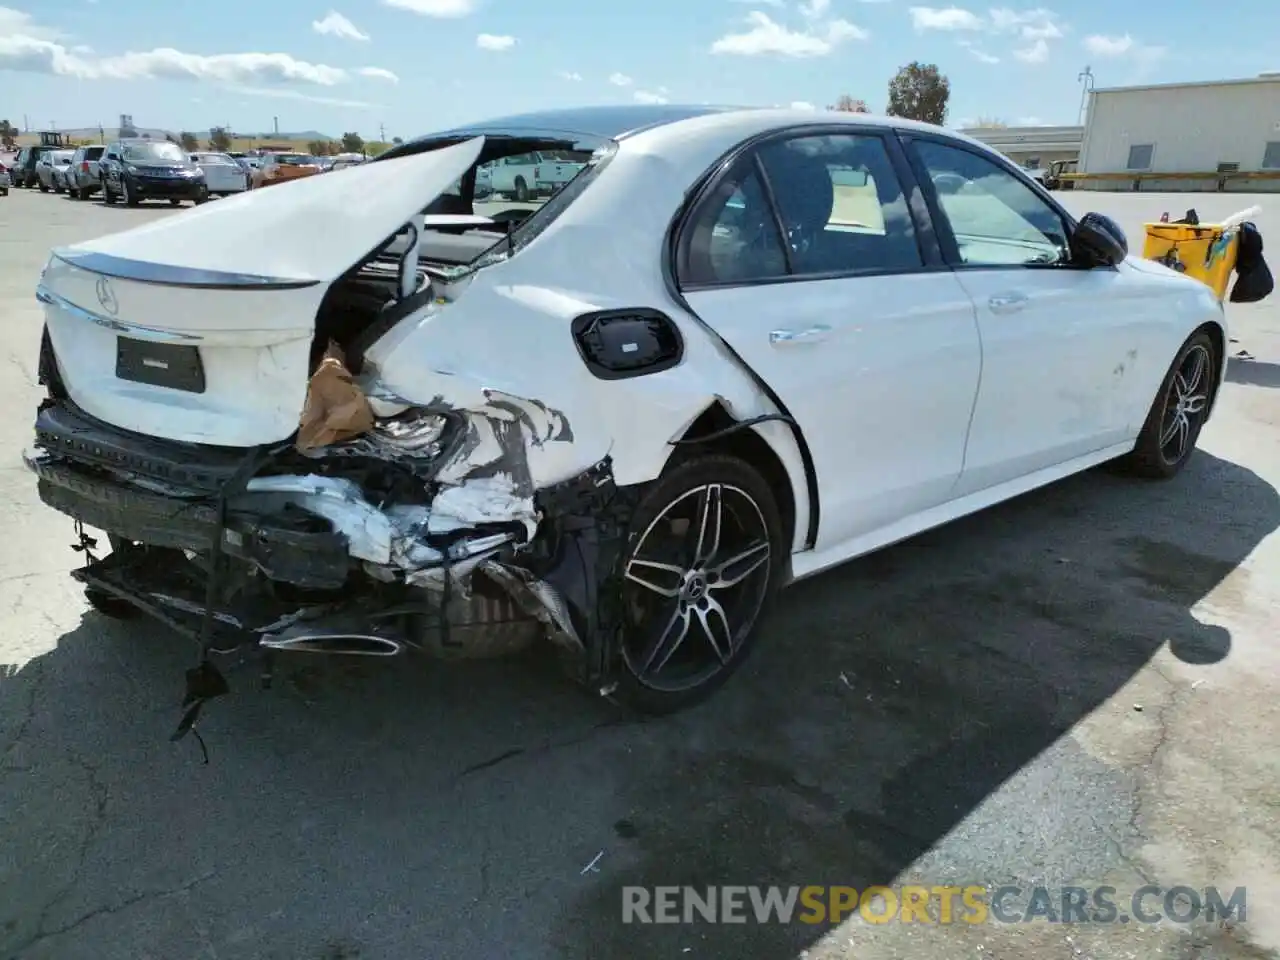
[107,297]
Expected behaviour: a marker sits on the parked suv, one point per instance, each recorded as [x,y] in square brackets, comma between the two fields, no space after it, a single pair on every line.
[138,169]
[24,168]
[83,177]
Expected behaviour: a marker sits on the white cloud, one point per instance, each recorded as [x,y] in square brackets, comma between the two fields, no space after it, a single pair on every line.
[944,18]
[978,53]
[1034,28]
[767,36]
[802,105]
[493,41]
[570,75]
[377,73]
[1037,52]
[444,9]
[336,25]
[16,23]
[620,80]
[814,9]
[1124,48]
[645,96]
[1101,46]
[29,48]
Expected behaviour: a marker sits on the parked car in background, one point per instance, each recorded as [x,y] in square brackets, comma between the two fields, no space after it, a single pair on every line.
[530,175]
[282,167]
[84,177]
[49,169]
[5,180]
[24,168]
[135,170]
[222,174]
[1053,179]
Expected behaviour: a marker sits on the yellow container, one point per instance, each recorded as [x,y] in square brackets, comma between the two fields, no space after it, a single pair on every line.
[1206,251]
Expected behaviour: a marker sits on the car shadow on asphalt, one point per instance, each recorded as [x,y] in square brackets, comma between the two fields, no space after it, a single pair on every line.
[1256,373]
[504,811]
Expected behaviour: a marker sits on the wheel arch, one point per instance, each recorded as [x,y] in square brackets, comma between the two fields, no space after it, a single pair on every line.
[1218,334]
[716,429]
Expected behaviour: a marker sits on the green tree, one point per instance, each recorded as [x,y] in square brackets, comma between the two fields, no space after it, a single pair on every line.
[219,140]
[188,141]
[396,141]
[8,134]
[847,104]
[919,92]
[352,143]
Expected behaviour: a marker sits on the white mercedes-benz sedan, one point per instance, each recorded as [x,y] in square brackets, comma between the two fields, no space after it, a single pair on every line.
[363,413]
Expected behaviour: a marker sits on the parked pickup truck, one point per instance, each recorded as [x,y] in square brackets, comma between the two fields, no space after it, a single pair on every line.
[528,175]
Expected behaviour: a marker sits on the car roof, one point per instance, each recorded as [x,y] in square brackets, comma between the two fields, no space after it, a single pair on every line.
[620,122]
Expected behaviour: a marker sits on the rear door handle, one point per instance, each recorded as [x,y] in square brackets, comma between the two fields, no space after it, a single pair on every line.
[813,334]
[1007,302]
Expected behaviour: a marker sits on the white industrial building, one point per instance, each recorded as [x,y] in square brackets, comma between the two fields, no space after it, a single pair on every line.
[1204,131]
[1031,147]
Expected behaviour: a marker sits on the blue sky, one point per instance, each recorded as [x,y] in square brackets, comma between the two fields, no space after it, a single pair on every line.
[419,65]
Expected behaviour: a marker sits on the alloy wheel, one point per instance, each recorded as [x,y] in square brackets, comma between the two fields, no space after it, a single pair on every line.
[1185,404]
[693,587]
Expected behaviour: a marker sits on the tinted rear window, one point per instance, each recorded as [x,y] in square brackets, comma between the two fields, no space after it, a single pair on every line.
[93,153]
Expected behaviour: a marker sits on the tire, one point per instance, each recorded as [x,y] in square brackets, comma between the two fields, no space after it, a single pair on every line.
[175,203]
[44,188]
[1177,413]
[126,194]
[685,590]
[83,193]
[107,196]
[522,190]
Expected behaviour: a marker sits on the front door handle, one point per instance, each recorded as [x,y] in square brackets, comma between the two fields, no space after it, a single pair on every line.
[813,334]
[1007,302]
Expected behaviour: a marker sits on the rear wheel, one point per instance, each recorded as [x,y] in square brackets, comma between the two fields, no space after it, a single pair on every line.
[702,563]
[522,190]
[175,203]
[44,187]
[1178,412]
[107,196]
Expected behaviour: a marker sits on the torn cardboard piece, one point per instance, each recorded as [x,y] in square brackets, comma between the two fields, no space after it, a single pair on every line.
[336,409]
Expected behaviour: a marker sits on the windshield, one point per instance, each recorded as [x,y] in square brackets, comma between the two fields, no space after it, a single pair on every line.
[292,159]
[213,159]
[159,152]
[61,156]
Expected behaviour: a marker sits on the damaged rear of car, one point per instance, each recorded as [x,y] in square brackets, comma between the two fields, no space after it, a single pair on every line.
[358,414]
[210,416]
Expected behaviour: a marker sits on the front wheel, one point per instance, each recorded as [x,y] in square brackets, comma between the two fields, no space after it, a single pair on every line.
[107,196]
[1178,412]
[44,187]
[126,193]
[703,559]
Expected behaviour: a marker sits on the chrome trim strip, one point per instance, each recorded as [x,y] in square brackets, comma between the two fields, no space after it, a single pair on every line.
[163,274]
[47,296]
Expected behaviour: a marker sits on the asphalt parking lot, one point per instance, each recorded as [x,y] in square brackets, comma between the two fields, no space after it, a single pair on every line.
[1080,687]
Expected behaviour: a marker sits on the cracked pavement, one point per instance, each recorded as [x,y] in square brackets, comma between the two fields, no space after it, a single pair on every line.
[1076,688]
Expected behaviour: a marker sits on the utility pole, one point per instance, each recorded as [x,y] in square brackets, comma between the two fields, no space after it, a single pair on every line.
[1085,78]
[382,133]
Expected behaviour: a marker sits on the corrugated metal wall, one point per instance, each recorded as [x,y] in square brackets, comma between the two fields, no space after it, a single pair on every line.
[1189,129]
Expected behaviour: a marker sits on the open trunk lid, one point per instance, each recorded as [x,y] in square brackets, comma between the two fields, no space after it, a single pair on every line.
[198,327]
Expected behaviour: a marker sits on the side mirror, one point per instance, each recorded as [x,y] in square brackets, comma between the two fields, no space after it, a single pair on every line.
[1098,241]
